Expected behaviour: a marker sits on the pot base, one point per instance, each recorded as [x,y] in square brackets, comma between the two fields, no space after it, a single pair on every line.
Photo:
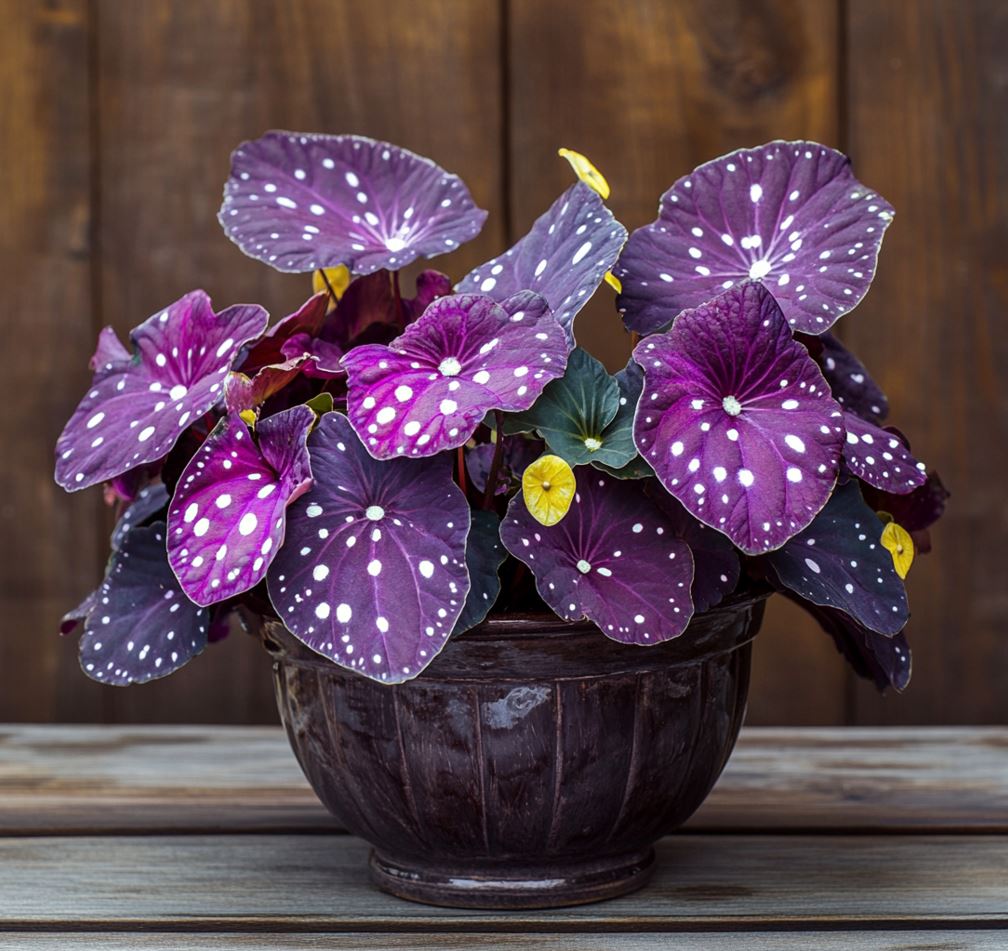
[500,886]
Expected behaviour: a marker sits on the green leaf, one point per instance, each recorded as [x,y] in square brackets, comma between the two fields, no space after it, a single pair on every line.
[573,412]
[321,403]
[622,459]
[484,556]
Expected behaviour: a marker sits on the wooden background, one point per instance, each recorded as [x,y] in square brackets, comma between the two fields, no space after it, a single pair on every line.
[116,121]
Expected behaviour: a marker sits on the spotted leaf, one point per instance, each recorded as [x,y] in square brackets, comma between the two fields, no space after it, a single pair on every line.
[737,420]
[916,511]
[788,214]
[227,519]
[301,202]
[879,458]
[564,257]
[484,556]
[373,572]
[839,561]
[150,500]
[136,408]
[142,625]
[851,384]
[430,388]
[614,558]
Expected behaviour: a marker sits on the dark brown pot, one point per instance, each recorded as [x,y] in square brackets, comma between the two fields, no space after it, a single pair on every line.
[533,764]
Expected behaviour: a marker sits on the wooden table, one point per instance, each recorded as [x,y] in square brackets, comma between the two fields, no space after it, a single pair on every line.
[192,837]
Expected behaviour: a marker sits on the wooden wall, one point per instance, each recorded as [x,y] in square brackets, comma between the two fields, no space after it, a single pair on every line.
[116,121]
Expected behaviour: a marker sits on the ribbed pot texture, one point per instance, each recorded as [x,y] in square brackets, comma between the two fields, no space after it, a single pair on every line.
[533,764]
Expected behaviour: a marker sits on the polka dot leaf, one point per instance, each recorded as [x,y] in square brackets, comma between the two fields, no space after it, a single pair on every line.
[849,380]
[788,214]
[839,561]
[373,572]
[150,500]
[879,457]
[564,257]
[431,387]
[137,407]
[142,625]
[614,558]
[301,202]
[737,420]
[484,556]
[227,518]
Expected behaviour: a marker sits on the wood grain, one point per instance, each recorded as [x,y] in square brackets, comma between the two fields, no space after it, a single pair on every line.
[291,883]
[89,780]
[927,105]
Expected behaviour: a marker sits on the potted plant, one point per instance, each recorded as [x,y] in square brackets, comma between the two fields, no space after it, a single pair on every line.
[510,597]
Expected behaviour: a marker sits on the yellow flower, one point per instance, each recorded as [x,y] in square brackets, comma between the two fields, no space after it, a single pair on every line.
[339,279]
[897,541]
[614,282]
[249,417]
[548,487]
[587,172]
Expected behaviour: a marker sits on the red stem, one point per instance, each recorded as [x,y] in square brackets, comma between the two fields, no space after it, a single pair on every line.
[461,471]
[329,287]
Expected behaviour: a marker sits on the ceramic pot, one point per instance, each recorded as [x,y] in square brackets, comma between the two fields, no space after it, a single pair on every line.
[533,764]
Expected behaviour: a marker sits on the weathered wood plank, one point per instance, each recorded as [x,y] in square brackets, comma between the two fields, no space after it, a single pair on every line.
[319,883]
[937,940]
[88,780]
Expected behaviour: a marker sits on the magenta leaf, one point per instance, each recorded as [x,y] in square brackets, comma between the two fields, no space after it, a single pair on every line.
[373,572]
[430,388]
[137,408]
[226,521]
[879,458]
[109,350]
[301,202]
[839,562]
[789,214]
[564,257]
[737,420]
[851,384]
[142,625]
[613,558]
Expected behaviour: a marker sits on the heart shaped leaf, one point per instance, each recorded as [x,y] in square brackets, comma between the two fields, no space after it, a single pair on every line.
[430,388]
[613,558]
[737,420]
[373,572]
[484,556]
[839,562]
[564,257]
[789,214]
[879,458]
[301,202]
[142,626]
[227,519]
[137,408]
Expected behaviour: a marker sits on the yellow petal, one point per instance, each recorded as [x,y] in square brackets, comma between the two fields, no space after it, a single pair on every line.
[248,417]
[614,282]
[585,171]
[339,279]
[897,541]
[548,487]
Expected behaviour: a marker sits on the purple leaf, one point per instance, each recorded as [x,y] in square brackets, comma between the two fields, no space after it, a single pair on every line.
[109,351]
[839,561]
[242,392]
[519,452]
[430,388]
[143,626]
[737,420]
[430,285]
[613,558]
[301,202]
[879,458]
[307,319]
[484,556]
[77,615]
[150,500]
[373,572]
[227,519]
[789,214]
[564,257]
[916,511]
[136,409]
[851,384]
[322,357]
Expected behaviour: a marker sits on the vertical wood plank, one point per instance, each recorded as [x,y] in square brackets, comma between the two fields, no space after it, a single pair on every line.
[50,555]
[180,85]
[648,90]
[928,100]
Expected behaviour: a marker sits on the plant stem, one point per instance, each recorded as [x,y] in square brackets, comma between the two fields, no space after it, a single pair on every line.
[329,287]
[461,471]
[495,465]
[397,294]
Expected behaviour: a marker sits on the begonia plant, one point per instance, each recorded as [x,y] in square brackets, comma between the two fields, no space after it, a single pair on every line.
[382,472]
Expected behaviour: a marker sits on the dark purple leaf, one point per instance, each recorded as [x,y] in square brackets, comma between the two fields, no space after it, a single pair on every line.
[519,452]
[430,285]
[77,615]
[373,572]
[737,421]
[301,202]
[564,257]
[839,561]
[613,558]
[431,387]
[916,511]
[242,392]
[149,501]
[321,359]
[136,409]
[879,458]
[227,518]
[308,319]
[851,384]
[484,556]
[143,626]
[789,214]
